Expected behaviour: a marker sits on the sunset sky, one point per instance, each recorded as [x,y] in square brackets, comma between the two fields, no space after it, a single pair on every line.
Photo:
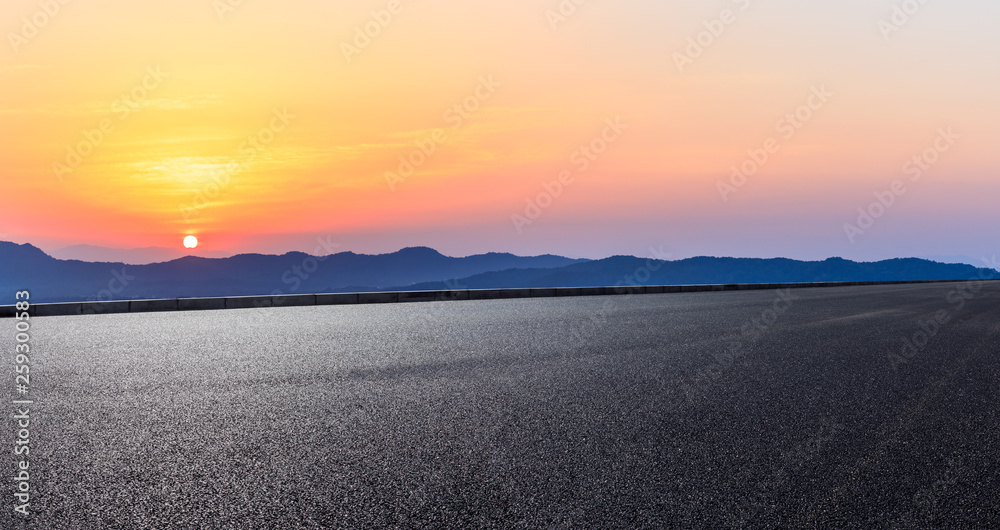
[260,125]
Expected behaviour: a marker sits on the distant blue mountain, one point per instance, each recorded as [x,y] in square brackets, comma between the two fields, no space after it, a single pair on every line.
[419,268]
[50,279]
[628,270]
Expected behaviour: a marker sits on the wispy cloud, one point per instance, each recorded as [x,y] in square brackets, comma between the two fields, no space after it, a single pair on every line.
[21,68]
[193,102]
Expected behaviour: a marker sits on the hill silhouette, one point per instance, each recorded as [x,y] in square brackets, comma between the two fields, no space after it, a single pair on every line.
[420,268]
[629,270]
[52,280]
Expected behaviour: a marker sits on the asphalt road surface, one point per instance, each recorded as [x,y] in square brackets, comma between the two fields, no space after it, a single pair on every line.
[854,407]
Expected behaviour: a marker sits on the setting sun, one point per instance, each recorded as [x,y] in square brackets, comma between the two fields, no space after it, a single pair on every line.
[190,242]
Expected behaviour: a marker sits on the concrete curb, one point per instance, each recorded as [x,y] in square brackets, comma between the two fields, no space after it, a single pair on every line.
[196,304]
[387,297]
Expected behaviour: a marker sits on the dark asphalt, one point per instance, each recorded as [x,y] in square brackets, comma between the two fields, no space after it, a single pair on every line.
[704,410]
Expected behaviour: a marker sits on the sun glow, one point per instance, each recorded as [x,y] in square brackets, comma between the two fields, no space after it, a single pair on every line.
[190,242]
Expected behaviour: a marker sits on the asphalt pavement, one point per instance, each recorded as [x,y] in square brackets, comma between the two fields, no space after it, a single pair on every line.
[847,407]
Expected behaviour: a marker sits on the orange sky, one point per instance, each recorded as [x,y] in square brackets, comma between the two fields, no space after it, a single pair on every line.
[262,126]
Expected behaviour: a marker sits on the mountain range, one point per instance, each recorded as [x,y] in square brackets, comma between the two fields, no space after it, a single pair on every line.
[50,279]
[629,270]
[25,267]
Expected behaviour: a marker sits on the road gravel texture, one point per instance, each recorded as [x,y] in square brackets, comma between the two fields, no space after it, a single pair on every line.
[848,407]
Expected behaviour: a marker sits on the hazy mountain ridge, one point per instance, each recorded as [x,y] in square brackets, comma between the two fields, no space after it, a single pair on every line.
[628,270]
[51,279]
[417,268]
